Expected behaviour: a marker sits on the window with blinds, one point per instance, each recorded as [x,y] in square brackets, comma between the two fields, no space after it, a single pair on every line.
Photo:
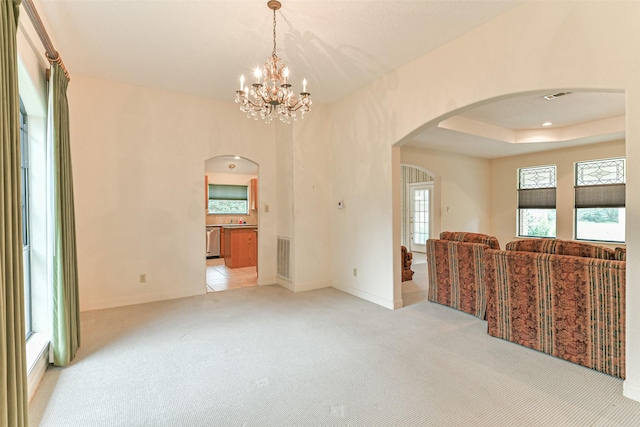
[228,199]
[600,200]
[537,201]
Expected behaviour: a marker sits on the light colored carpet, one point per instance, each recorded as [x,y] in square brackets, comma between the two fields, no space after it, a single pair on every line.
[265,356]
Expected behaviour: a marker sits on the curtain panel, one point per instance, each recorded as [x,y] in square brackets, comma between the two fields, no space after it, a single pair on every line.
[66,306]
[13,370]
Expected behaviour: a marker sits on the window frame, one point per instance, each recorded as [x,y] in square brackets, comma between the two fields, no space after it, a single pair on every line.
[610,197]
[228,193]
[535,194]
[26,223]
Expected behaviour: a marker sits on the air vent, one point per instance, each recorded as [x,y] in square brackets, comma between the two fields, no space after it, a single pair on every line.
[283,254]
[555,95]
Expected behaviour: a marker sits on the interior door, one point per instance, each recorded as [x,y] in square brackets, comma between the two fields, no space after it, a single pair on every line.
[420,215]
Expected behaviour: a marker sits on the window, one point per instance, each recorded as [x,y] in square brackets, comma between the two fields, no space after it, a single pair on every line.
[24,202]
[600,200]
[537,202]
[228,199]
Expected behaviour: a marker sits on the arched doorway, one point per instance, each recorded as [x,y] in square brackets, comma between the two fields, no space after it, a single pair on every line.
[231,229]
[477,151]
[419,221]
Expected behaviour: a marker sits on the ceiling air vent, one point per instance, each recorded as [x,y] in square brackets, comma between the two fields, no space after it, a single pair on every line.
[555,95]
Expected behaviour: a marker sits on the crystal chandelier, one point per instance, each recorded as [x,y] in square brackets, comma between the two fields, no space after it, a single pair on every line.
[273,96]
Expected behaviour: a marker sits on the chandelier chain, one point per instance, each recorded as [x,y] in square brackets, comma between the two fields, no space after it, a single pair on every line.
[274,33]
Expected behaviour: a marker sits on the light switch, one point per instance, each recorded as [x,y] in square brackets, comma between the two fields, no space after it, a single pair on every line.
[340,204]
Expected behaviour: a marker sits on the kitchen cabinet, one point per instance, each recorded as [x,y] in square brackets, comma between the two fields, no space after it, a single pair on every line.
[254,194]
[206,193]
[221,242]
[240,247]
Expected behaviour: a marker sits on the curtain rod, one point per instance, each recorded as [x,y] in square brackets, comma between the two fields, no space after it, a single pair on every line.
[50,51]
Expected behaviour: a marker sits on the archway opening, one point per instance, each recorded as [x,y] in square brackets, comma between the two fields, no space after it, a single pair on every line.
[476,152]
[231,226]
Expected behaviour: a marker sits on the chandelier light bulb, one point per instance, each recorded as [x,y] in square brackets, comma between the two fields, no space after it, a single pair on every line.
[272,95]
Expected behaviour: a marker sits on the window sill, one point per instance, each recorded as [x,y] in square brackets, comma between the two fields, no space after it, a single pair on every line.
[37,344]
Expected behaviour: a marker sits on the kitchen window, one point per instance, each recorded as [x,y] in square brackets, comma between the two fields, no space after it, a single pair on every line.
[600,200]
[537,201]
[228,199]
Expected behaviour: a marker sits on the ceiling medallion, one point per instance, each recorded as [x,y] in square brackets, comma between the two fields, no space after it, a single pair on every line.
[273,96]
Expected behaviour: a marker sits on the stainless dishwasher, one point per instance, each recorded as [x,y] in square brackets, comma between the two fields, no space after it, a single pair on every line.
[213,242]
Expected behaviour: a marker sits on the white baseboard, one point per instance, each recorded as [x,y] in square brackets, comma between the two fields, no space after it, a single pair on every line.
[311,286]
[631,391]
[392,305]
[303,287]
[267,281]
[141,299]
[285,284]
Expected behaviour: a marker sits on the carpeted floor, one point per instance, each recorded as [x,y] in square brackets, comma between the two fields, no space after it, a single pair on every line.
[264,356]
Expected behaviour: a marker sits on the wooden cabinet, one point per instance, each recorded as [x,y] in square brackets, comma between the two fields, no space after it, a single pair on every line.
[206,193]
[221,242]
[240,247]
[254,194]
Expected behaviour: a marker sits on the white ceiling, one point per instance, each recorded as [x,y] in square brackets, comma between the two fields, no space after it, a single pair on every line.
[240,166]
[514,126]
[200,47]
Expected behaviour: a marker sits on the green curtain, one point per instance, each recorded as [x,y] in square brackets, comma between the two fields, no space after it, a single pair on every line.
[13,361]
[66,307]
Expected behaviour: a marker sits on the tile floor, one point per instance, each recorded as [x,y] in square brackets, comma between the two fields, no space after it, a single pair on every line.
[222,278]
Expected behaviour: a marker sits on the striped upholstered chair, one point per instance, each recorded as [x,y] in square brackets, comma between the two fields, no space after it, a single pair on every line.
[456,270]
[563,298]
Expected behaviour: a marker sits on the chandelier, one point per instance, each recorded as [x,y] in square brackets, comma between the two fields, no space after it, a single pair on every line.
[273,96]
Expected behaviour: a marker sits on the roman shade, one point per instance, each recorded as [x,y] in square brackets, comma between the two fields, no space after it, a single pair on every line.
[227,192]
[600,196]
[537,198]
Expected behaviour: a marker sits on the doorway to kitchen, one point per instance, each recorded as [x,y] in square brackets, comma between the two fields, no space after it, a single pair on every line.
[231,226]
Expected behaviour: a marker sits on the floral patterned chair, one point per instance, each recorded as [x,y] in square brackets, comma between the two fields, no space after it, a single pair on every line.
[563,298]
[407,260]
[456,270]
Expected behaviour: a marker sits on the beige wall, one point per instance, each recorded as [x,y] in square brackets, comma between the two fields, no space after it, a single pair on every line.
[130,218]
[311,200]
[504,184]
[462,202]
[303,189]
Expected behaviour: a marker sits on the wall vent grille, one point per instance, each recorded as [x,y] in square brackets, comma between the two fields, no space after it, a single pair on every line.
[284,258]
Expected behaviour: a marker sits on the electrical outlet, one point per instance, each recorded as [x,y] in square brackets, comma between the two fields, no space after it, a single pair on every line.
[143,278]
[355,272]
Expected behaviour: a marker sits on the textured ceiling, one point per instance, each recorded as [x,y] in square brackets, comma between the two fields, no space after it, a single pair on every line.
[202,47]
